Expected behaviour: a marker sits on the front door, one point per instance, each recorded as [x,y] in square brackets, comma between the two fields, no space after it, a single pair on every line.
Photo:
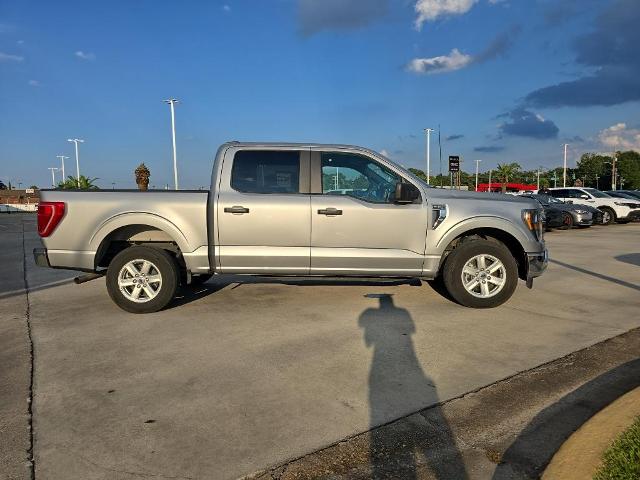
[356,228]
[264,220]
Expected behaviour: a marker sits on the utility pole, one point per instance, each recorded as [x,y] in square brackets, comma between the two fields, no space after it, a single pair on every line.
[172,102]
[613,171]
[490,172]
[564,168]
[428,132]
[597,183]
[62,157]
[555,179]
[477,167]
[76,141]
[440,148]
[53,176]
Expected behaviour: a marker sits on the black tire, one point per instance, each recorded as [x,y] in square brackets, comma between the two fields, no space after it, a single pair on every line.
[467,250]
[567,221]
[608,216]
[197,280]
[167,269]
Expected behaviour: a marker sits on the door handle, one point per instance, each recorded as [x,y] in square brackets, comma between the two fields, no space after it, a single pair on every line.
[236,209]
[329,211]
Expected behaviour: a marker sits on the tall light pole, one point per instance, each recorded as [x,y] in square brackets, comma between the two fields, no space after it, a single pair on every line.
[172,102]
[564,167]
[76,141]
[53,176]
[62,157]
[538,184]
[490,172]
[477,167]
[428,132]
[613,172]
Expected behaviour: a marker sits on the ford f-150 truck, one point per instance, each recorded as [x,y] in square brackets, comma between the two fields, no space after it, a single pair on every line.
[294,209]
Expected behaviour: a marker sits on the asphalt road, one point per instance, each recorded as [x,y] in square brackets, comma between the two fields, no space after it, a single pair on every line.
[247,374]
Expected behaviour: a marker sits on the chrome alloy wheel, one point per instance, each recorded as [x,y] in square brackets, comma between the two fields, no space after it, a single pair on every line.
[139,281]
[483,276]
[606,217]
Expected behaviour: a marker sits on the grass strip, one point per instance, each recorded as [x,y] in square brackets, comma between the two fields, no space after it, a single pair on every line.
[621,461]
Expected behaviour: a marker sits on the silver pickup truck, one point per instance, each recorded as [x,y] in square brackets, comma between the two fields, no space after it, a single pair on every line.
[294,209]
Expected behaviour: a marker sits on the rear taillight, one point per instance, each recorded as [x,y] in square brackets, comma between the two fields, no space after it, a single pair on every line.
[49,216]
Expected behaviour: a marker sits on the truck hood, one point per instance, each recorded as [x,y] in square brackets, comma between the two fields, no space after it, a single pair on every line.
[445,194]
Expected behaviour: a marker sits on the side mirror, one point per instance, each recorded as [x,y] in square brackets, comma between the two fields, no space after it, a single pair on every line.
[406,193]
[584,196]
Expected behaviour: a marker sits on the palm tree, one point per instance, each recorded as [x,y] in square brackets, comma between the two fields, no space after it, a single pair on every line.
[83,183]
[505,171]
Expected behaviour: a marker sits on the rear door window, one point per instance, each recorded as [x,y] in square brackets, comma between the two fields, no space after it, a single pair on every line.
[266,171]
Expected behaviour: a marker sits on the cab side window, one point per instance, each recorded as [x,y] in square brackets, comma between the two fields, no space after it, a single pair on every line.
[357,176]
[266,171]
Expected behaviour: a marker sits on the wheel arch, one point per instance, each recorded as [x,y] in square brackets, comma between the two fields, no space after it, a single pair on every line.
[125,230]
[508,239]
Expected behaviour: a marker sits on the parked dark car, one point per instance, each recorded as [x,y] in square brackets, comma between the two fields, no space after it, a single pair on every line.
[633,193]
[553,217]
[572,214]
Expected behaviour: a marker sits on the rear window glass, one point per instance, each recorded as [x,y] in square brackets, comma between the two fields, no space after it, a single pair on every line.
[256,171]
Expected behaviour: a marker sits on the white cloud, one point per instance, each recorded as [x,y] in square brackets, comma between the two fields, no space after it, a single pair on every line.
[385,153]
[442,64]
[430,10]
[6,57]
[34,83]
[226,8]
[619,137]
[85,55]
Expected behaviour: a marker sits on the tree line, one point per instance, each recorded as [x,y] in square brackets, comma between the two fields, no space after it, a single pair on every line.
[592,170]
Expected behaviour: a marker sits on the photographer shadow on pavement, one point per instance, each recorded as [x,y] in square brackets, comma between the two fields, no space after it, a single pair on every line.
[399,386]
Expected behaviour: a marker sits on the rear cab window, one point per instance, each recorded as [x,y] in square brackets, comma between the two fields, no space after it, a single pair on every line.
[266,171]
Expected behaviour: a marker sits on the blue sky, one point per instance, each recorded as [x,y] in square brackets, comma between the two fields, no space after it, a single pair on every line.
[511,79]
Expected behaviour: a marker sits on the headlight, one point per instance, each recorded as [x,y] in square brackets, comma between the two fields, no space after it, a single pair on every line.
[581,212]
[533,220]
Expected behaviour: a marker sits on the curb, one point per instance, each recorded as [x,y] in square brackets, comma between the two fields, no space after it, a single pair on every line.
[581,455]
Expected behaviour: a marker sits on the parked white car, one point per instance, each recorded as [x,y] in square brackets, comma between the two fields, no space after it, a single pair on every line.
[613,209]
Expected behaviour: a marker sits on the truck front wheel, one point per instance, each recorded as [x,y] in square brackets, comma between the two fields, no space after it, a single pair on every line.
[480,273]
[142,279]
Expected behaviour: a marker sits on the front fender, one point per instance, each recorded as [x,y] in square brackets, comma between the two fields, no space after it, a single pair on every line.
[519,232]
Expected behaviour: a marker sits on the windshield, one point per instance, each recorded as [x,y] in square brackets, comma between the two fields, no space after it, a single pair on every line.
[596,193]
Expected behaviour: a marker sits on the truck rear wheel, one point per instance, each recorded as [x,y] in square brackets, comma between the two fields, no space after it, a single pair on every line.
[480,273]
[142,279]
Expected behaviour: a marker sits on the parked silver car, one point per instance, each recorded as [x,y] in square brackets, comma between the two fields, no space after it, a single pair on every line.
[572,214]
[295,209]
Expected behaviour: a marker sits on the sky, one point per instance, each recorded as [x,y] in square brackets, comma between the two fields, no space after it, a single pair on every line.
[504,80]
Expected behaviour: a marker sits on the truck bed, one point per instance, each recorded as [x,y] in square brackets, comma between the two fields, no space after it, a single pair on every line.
[92,215]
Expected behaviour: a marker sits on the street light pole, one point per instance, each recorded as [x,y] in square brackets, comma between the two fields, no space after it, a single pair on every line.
[172,102]
[62,157]
[477,166]
[53,176]
[564,168]
[539,178]
[428,132]
[76,141]
[490,172]
[613,172]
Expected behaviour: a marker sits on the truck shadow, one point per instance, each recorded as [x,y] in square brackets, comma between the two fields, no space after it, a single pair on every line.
[396,382]
[188,294]
[632,258]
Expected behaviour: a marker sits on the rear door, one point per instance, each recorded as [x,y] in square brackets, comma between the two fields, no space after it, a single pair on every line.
[263,213]
[356,228]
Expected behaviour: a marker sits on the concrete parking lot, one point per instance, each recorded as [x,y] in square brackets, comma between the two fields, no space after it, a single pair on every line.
[245,374]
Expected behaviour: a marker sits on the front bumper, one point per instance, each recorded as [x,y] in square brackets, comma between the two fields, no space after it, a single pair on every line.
[536,265]
[40,256]
[583,218]
[633,215]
